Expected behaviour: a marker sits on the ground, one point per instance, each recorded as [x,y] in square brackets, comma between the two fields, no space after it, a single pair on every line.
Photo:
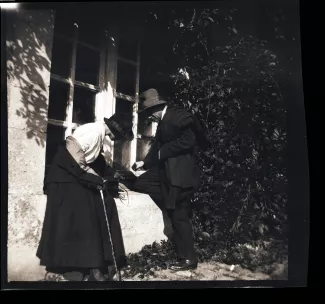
[267,260]
[244,262]
[213,271]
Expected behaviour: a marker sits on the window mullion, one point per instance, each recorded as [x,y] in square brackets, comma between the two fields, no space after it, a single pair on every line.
[110,85]
[69,110]
[61,123]
[133,155]
[134,63]
[100,97]
[124,97]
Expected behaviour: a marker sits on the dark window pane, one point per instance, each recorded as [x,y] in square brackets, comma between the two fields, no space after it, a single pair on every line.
[87,65]
[128,43]
[143,146]
[55,136]
[64,23]
[61,57]
[58,100]
[83,105]
[123,106]
[122,152]
[143,143]
[122,148]
[126,76]
[90,33]
[90,29]
[128,50]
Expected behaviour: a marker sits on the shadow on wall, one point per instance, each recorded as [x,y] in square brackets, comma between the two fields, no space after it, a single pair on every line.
[28,68]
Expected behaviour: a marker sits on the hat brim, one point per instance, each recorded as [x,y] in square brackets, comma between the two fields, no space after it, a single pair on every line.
[118,130]
[159,103]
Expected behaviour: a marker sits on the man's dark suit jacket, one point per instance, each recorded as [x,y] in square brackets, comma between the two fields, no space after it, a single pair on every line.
[176,140]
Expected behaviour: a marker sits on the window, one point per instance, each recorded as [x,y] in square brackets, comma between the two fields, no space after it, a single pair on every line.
[90,78]
[127,98]
[122,148]
[145,134]
[75,78]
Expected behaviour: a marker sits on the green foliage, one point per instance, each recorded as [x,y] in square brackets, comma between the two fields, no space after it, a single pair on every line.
[230,80]
[233,88]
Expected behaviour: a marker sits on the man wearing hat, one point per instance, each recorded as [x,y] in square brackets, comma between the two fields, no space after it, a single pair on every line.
[75,236]
[173,155]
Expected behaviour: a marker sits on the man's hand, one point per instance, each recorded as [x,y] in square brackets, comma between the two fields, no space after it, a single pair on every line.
[138,165]
[118,176]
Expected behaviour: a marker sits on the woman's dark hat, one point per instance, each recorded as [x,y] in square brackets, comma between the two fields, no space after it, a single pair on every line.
[151,100]
[121,125]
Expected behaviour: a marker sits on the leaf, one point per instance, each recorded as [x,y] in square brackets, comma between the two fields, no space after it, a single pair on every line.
[206,235]
[211,19]
[235,31]
[30,134]
[261,229]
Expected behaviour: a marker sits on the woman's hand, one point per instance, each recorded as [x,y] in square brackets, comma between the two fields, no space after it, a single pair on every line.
[138,165]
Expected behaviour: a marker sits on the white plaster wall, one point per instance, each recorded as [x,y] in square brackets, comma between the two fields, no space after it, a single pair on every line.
[29,44]
[141,221]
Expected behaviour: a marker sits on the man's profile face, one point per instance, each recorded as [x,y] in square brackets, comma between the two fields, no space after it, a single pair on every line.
[155,116]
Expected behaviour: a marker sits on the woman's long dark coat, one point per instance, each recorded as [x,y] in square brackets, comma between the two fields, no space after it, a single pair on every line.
[75,234]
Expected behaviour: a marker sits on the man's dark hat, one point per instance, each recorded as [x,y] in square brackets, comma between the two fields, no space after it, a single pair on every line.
[151,100]
[121,125]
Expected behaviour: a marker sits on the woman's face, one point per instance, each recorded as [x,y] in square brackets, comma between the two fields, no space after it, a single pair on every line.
[109,133]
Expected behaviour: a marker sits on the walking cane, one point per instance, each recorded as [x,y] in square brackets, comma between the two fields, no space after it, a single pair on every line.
[110,238]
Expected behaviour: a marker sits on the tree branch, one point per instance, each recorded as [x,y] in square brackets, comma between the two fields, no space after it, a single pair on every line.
[193,18]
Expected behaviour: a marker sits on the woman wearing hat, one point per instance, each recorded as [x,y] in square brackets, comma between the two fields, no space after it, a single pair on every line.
[75,237]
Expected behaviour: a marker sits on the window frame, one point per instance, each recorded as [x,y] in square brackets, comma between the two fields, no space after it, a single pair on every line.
[107,74]
[134,100]
[72,82]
